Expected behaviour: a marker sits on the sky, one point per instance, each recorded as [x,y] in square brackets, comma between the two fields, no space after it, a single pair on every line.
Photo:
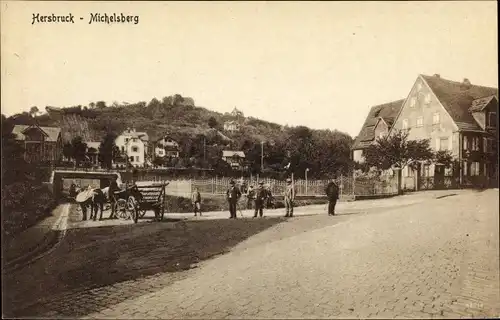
[318,64]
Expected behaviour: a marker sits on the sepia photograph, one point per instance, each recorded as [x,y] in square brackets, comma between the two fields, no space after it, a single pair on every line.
[250,160]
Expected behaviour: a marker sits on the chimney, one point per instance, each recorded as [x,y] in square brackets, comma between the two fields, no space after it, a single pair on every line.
[437,75]
[466,84]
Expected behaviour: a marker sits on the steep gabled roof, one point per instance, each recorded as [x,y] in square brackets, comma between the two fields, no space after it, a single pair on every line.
[457,98]
[52,133]
[387,112]
[229,154]
[481,103]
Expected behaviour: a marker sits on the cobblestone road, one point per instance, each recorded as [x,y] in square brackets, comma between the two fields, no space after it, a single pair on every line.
[436,259]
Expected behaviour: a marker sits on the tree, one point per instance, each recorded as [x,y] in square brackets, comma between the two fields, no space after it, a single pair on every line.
[108,150]
[212,122]
[92,105]
[443,157]
[79,149]
[68,150]
[100,105]
[396,151]
[34,111]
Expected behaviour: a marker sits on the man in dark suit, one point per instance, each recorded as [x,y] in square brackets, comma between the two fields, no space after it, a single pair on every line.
[332,192]
[260,200]
[233,195]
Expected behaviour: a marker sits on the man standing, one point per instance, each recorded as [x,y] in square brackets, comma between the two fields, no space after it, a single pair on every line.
[250,197]
[260,200]
[289,198]
[332,192]
[113,187]
[196,200]
[233,194]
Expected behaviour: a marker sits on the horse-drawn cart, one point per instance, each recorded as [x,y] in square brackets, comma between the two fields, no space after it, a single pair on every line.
[133,203]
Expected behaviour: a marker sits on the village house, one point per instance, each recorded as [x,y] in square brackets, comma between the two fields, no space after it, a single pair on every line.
[167,147]
[41,144]
[234,158]
[133,145]
[460,117]
[377,124]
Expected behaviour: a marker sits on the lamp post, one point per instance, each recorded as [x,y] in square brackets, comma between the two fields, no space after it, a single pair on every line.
[307,169]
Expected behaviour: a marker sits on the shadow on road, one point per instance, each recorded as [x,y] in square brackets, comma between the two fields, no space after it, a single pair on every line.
[104,255]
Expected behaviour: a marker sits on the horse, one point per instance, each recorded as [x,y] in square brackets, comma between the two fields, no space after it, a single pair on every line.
[95,202]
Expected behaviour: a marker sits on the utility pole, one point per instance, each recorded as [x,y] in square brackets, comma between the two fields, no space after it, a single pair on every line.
[261,156]
[204,150]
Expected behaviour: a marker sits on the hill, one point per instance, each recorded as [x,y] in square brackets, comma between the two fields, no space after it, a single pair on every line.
[195,127]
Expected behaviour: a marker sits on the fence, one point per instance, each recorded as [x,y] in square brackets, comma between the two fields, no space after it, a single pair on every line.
[349,187]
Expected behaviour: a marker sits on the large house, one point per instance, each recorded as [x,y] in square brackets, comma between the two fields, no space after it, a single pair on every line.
[40,144]
[167,147]
[377,124]
[133,145]
[235,159]
[457,116]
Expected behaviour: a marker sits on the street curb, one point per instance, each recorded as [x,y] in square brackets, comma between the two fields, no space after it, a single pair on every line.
[51,240]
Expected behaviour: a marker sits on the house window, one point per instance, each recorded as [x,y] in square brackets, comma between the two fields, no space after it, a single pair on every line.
[492,119]
[490,145]
[123,149]
[137,159]
[413,102]
[435,118]
[405,124]
[485,145]
[475,144]
[420,121]
[474,169]
[465,168]
[465,144]
[135,149]
[427,98]
[443,144]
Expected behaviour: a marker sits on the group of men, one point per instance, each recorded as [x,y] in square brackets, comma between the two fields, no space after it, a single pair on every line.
[261,198]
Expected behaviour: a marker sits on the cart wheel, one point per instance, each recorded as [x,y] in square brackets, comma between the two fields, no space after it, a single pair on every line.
[133,212]
[121,209]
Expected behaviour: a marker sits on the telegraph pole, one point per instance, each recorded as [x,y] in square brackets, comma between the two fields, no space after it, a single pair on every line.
[261,156]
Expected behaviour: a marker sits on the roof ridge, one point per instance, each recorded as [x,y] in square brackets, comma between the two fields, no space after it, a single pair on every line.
[457,82]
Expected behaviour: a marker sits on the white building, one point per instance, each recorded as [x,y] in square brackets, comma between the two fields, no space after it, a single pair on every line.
[134,145]
[231,126]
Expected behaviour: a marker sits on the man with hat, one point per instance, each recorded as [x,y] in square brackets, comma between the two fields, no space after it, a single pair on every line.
[260,200]
[332,192]
[289,198]
[233,195]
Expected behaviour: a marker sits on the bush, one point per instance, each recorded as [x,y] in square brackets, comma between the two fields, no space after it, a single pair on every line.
[23,205]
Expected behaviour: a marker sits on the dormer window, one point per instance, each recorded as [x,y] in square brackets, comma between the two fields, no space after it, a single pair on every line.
[420,121]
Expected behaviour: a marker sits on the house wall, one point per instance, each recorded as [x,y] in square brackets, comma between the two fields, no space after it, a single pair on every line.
[138,156]
[425,106]
[357,156]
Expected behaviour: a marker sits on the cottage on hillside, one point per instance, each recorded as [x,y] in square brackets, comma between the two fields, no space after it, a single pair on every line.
[40,143]
[167,147]
[234,158]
